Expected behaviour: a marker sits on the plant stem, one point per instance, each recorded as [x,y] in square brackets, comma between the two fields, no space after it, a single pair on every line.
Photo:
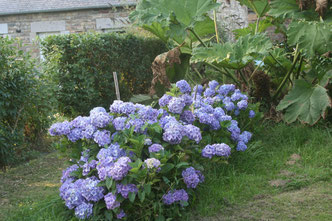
[196,35]
[253,73]
[299,69]
[215,25]
[257,25]
[297,54]
[226,74]
[277,61]
[243,78]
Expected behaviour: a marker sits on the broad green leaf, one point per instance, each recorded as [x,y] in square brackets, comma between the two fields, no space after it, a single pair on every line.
[260,7]
[315,38]
[326,78]
[305,102]
[157,29]
[175,16]
[166,168]
[234,55]
[147,188]
[262,26]
[290,9]
[141,196]
[109,183]
[132,196]
[143,98]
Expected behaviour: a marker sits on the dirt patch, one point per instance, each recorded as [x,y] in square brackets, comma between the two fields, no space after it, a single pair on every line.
[293,159]
[278,183]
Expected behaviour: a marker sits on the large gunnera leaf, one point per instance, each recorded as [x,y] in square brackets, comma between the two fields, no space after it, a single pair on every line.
[260,7]
[175,16]
[291,9]
[234,55]
[305,102]
[314,37]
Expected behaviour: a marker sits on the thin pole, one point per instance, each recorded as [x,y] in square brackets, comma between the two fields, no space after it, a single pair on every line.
[116,83]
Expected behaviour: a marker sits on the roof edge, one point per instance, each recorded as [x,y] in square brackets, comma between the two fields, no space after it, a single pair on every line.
[119,5]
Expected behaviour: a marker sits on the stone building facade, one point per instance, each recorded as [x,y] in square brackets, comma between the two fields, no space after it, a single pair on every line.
[32,23]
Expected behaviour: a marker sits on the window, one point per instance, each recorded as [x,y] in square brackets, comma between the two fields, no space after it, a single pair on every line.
[3,30]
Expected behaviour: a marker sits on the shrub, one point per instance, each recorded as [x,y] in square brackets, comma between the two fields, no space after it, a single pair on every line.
[82,66]
[144,163]
[24,101]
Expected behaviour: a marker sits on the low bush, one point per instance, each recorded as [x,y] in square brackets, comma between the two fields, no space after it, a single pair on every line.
[136,162]
[25,103]
[82,66]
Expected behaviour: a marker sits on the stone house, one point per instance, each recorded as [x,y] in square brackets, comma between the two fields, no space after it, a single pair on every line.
[30,20]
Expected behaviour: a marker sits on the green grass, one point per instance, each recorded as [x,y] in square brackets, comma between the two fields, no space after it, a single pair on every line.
[239,190]
[247,175]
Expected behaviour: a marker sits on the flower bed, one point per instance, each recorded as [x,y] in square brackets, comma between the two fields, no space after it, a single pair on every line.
[137,162]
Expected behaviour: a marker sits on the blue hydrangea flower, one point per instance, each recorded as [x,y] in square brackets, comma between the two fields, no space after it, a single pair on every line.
[188,100]
[120,168]
[84,210]
[243,104]
[187,117]
[176,105]
[101,119]
[88,166]
[245,137]
[124,190]
[104,166]
[73,196]
[183,86]
[136,123]
[198,89]
[127,108]
[222,150]
[102,137]
[59,129]
[191,178]
[164,100]
[97,110]
[209,92]
[175,196]
[75,135]
[121,215]
[90,190]
[226,89]
[193,133]
[88,131]
[209,151]
[111,202]
[155,148]
[173,132]
[67,172]
[252,114]
[119,123]
[152,163]
[213,84]
[241,146]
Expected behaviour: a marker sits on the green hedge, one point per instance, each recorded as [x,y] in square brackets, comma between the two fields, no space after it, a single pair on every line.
[82,66]
[25,103]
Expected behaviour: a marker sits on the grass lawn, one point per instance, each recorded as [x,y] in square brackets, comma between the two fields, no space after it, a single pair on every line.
[285,174]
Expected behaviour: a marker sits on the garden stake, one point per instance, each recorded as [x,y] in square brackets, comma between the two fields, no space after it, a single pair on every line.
[117,91]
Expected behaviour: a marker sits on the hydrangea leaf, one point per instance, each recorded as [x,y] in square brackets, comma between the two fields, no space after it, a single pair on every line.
[290,9]
[305,102]
[174,16]
[314,37]
[234,55]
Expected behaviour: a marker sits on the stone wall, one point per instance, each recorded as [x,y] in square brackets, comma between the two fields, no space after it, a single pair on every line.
[28,26]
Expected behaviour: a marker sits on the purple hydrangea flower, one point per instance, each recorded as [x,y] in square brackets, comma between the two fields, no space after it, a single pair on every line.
[245,137]
[59,129]
[176,105]
[75,135]
[121,215]
[124,190]
[101,119]
[164,100]
[252,114]
[155,148]
[152,163]
[199,89]
[173,132]
[187,117]
[222,150]
[241,146]
[104,166]
[115,107]
[111,202]
[84,210]
[73,196]
[209,92]
[136,123]
[88,166]
[193,133]
[187,99]
[183,86]
[167,119]
[113,151]
[119,123]
[88,131]
[120,168]
[90,190]
[226,89]
[175,196]
[209,151]
[213,84]
[97,110]
[242,104]
[127,108]
[102,137]
[191,178]
[66,174]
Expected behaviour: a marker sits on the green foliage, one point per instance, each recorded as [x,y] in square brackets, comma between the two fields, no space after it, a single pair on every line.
[260,7]
[25,102]
[314,38]
[305,102]
[174,18]
[234,55]
[82,66]
[290,9]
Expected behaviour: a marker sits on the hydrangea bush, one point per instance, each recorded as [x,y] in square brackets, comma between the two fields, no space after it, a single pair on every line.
[137,162]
